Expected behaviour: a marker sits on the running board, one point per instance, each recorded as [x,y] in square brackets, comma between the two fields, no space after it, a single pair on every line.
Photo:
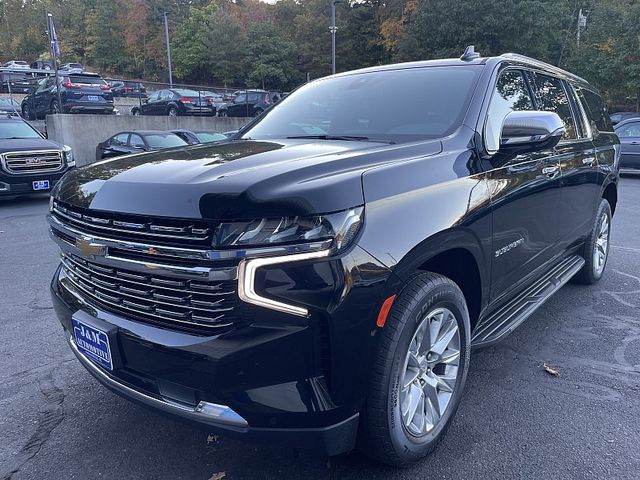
[508,317]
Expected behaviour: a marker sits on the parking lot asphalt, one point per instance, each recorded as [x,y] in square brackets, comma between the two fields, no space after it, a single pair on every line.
[515,421]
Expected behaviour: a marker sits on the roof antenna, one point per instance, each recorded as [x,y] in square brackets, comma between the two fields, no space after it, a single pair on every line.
[469,54]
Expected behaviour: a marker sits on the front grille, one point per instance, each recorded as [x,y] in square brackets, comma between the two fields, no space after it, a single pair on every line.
[195,306]
[32,162]
[159,231]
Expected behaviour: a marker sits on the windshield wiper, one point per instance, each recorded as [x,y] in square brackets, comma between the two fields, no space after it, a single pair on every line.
[349,138]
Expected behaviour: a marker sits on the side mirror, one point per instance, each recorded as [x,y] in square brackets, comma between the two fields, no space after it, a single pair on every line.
[530,130]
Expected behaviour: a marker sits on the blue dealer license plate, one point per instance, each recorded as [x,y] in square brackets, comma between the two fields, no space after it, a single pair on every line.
[41,185]
[92,343]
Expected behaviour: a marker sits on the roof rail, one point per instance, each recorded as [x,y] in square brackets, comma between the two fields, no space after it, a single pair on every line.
[539,63]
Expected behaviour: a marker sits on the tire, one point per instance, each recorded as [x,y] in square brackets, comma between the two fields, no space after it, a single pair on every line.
[595,250]
[223,114]
[27,114]
[55,108]
[387,436]
[135,111]
[172,112]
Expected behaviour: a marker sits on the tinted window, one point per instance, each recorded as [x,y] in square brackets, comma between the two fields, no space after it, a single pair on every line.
[17,130]
[153,97]
[120,140]
[136,141]
[551,97]
[160,140]
[629,130]
[432,104]
[511,94]
[596,111]
[252,97]
[242,98]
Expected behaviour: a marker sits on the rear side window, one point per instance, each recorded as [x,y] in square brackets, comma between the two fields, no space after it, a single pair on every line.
[511,94]
[595,109]
[551,97]
[120,140]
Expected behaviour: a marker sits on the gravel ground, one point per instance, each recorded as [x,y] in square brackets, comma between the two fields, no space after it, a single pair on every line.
[516,421]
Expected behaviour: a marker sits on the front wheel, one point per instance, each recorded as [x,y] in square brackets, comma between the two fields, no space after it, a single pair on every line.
[596,249]
[420,371]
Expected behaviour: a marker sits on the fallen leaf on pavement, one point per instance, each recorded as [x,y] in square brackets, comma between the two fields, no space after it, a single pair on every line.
[218,476]
[551,370]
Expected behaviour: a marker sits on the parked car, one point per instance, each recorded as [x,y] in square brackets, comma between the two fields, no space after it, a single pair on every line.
[8,106]
[69,68]
[620,116]
[126,88]
[137,141]
[249,103]
[216,98]
[324,276]
[29,163]
[628,132]
[199,136]
[174,102]
[20,64]
[42,65]
[79,93]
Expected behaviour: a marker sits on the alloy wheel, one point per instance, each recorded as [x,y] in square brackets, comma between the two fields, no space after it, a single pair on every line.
[601,248]
[430,372]
[173,112]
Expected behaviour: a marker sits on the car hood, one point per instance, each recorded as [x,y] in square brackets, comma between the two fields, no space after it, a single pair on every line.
[27,144]
[234,180]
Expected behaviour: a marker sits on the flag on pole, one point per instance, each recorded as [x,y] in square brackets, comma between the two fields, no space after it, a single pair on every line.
[54,39]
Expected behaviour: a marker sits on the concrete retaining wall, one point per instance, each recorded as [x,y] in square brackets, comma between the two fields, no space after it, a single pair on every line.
[83,132]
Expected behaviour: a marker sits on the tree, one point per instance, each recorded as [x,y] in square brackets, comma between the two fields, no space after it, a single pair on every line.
[271,58]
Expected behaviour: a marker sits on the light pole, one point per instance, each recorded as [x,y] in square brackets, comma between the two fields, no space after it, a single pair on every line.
[166,39]
[333,35]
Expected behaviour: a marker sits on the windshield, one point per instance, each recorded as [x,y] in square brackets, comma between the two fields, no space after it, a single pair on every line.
[393,106]
[159,140]
[8,102]
[17,130]
[207,137]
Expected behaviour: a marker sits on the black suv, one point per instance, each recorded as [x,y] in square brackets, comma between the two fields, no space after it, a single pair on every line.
[248,103]
[324,274]
[29,163]
[179,101]
[79,93]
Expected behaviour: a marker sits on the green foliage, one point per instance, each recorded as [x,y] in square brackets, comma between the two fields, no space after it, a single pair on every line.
[270,58]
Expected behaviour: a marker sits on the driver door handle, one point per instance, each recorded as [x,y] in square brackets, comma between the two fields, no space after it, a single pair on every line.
[551,171]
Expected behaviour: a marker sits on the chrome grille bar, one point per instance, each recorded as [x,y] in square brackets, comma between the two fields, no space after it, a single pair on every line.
[32,162]
[144,297]
[79,219]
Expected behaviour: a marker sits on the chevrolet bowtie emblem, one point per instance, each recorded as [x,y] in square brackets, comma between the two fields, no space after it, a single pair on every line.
[88,248]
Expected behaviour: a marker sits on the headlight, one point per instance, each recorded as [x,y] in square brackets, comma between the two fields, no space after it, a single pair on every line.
[341,227]
[68,156]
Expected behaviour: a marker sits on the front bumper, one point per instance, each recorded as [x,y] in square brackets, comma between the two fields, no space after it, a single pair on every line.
[269,380]
[11,185]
